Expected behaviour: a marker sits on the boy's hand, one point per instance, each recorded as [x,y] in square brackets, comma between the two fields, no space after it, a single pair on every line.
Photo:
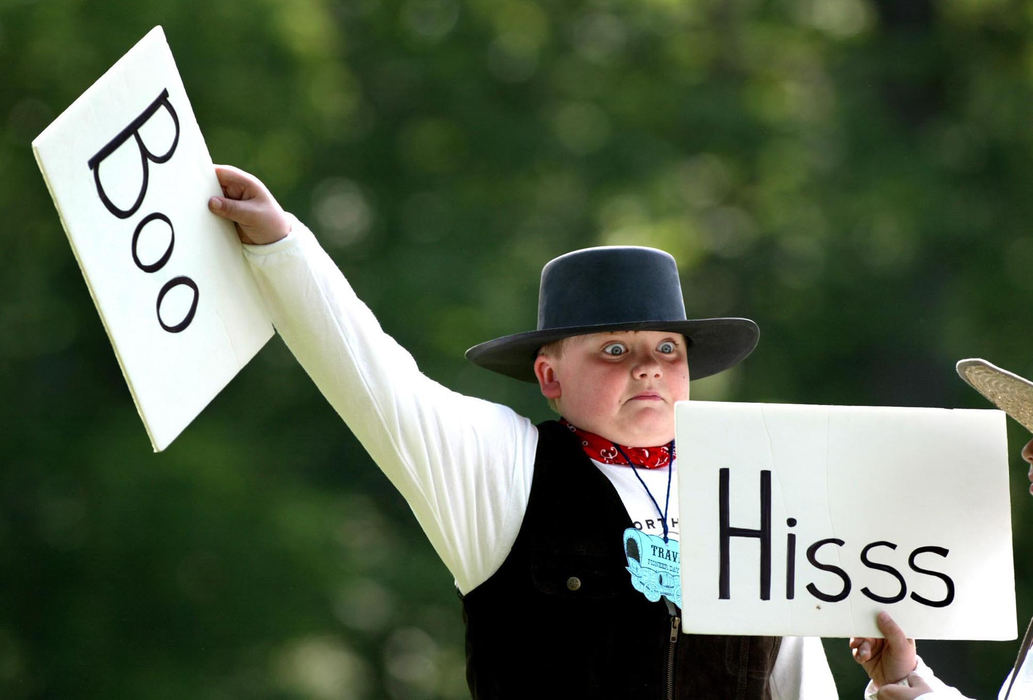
[886,660]
[257,216]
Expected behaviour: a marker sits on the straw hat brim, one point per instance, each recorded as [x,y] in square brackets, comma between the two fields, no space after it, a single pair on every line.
[1009,392]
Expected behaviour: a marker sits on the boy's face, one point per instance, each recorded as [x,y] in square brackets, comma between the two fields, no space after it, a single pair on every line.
[620,385]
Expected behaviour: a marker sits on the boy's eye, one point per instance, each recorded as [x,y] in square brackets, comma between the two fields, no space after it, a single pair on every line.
[614,349]
[667,347]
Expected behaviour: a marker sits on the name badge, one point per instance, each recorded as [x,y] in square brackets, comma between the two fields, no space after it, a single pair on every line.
[653,565]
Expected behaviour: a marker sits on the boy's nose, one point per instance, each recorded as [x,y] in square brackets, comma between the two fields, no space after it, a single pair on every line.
[1027,452]
[648,366]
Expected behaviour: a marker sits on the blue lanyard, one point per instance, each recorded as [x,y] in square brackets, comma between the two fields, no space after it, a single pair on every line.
[670,471]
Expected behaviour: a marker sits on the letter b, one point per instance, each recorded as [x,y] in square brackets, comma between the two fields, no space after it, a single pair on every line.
[146,156]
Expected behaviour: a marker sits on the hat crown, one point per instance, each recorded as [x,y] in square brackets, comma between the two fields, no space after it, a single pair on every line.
[609,285]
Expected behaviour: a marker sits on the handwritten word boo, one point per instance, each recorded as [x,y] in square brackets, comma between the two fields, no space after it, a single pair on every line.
[155,226]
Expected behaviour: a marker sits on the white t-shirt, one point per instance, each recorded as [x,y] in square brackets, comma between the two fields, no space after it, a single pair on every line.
[645,512]
[467,481]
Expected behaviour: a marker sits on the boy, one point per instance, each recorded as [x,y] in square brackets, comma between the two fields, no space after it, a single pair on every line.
[535,522]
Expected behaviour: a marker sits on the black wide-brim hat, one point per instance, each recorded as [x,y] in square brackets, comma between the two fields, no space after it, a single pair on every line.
[617,288]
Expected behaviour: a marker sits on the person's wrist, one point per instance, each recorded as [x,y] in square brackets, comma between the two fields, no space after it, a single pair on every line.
[903,680]
[277,232]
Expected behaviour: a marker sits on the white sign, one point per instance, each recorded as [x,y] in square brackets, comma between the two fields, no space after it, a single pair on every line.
[131,176]
[808,520]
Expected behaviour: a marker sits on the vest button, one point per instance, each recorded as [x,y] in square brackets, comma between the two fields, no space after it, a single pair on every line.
[573,583]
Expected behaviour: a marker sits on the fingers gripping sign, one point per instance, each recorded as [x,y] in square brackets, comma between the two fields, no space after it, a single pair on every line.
[246,202]
[887,660]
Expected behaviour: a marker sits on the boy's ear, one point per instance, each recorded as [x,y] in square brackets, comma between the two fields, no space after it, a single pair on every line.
[545,372]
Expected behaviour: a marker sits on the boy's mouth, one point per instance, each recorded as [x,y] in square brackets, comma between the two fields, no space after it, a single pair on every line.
[647,396]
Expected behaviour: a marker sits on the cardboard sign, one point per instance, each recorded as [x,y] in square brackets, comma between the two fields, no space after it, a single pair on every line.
[131,176]
[808,520]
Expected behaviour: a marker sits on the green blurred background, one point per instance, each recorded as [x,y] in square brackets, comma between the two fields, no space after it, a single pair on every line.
[853,174]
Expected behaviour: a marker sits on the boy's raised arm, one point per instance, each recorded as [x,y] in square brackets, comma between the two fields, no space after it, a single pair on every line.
[462,464]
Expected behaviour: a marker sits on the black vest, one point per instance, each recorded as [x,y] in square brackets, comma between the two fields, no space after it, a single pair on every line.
[560,617]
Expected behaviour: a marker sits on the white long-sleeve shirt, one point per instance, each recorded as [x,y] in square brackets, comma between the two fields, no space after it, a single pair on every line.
[464,465]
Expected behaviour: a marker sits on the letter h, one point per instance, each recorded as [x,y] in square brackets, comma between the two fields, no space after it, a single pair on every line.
[763,534]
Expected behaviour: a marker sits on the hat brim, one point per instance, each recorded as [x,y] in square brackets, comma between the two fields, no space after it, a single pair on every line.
[1009,392]
[713,345]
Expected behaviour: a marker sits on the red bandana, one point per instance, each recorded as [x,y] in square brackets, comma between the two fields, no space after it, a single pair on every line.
[602,450]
